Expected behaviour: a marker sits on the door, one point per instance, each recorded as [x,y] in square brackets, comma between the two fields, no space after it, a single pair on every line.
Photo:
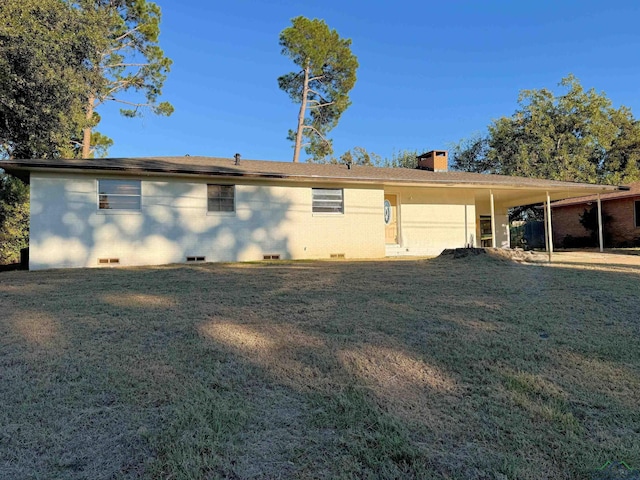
[486,238]
[391,219]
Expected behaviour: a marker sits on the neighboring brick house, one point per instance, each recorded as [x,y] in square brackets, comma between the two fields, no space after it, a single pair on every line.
[621,210]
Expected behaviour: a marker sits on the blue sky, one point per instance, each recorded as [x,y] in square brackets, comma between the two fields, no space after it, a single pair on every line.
[430,73]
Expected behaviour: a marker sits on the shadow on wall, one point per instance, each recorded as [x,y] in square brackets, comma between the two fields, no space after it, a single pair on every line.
[173,224]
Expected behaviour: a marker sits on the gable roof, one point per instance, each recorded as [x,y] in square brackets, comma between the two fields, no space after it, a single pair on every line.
[632,190]
[513,190]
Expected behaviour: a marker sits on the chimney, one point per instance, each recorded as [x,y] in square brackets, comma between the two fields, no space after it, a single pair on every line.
[434,161]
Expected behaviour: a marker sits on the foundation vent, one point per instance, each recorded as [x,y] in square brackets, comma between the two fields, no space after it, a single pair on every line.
[196,259]
[271,257]
[336,255]
[108,261]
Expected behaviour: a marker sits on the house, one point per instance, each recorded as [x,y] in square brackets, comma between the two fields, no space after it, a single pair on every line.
[151,211]
[620,210]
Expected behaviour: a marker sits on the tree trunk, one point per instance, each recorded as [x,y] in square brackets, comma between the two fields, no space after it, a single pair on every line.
[86,131]
[303,108]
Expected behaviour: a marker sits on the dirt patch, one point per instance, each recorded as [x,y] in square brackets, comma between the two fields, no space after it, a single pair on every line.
[499,254]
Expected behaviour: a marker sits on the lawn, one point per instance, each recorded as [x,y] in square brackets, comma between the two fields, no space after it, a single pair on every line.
[471,368]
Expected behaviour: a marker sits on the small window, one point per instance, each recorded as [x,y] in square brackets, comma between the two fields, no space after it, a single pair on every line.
[221,198]
[119,194]
[637,216]
[328,200]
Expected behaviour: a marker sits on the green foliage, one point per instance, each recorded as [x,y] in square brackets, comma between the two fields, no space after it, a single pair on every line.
[42,77]
[14,218]
[403,159]
[470,155]
[127,58]
[577,136]
[321,86]
[355,156]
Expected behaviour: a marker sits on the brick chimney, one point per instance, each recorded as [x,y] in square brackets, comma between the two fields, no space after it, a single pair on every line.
[434,161]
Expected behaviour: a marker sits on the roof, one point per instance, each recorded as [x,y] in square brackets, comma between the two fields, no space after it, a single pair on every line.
[514,190]
[259,168]
[632,190]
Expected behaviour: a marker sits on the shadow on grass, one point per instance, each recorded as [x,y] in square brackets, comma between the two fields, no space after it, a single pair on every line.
[466,369]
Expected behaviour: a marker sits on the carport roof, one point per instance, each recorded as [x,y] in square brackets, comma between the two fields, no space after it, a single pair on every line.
[309,172]
[632,190]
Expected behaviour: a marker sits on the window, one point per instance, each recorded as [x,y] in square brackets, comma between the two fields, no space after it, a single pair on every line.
[637,216]
[119,194]
[221,198]
[328,200]
[486,234]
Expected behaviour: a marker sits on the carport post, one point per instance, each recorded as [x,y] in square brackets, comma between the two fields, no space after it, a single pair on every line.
[600,224]
[549,228]
[493,221]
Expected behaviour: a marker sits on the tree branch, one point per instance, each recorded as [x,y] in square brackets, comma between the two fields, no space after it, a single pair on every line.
[128,65]
[132,104]
[318,94]
[126,34]
[119,85]
[320,104]
[317,132]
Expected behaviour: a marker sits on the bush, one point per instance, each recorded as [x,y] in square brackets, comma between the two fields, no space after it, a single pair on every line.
[14,218]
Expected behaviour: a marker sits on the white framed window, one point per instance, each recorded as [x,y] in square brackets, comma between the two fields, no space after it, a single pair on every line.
[221,198]
[119,194]
[327,200]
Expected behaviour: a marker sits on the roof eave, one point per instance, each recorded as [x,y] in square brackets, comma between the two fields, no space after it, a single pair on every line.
[15,168]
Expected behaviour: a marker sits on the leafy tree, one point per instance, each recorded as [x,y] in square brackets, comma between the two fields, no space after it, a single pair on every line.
[576,136]
[127,58]
[403,159]
[14,218]
[321,86]
[42,78]
[470,155]
[42,75]
[360,156]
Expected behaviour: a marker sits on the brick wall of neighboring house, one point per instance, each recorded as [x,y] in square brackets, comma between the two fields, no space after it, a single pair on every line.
[622,227]
[620,230]
[565,221]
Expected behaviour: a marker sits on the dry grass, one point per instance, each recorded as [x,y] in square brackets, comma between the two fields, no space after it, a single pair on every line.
[471,368]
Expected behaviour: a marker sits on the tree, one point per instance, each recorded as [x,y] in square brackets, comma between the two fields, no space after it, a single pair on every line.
[321,86]
[14,218]
[577,136]
[470,155]
[42,77]
[406,158]
[127,58]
